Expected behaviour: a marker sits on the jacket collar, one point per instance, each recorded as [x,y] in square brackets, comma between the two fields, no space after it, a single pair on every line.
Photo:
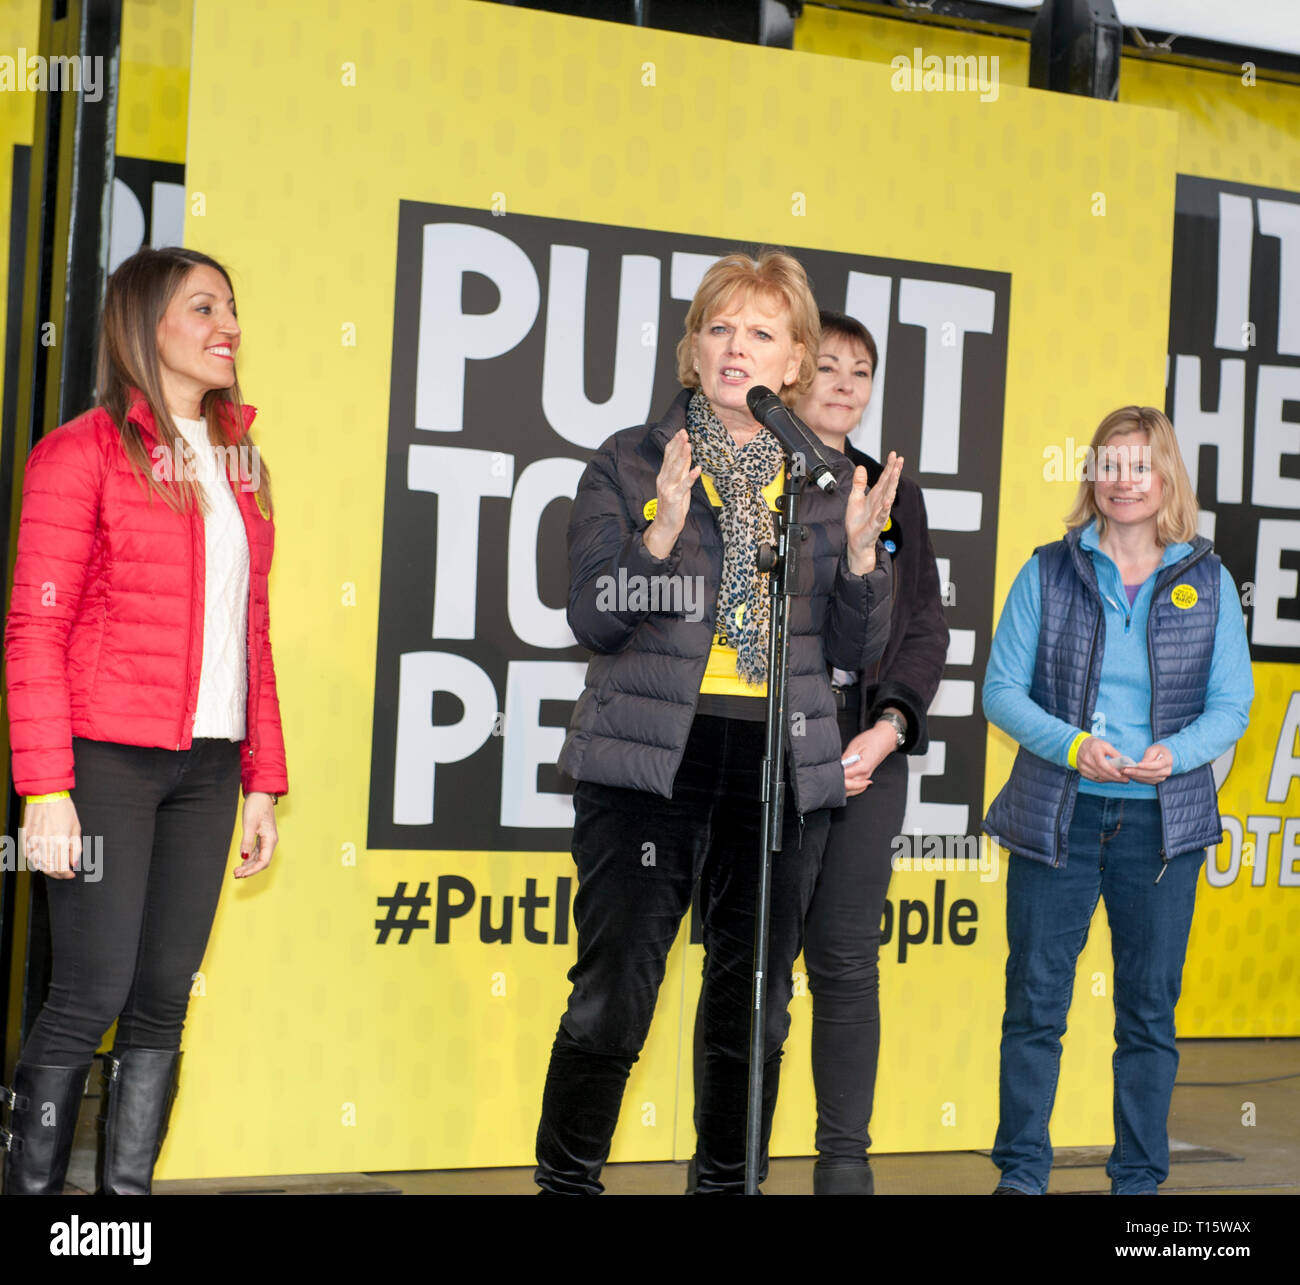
[139,412]
[1176,555]
[674,419]
[873,466]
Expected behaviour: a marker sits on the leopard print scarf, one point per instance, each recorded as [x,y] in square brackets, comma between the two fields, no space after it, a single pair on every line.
[739,475]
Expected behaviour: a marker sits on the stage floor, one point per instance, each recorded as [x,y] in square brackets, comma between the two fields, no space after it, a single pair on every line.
[1213,1151]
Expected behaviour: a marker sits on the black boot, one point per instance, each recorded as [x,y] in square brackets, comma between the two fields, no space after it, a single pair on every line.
[580,1107]
[720,1111]
[835,1178]
[43,1107]
[139,1089]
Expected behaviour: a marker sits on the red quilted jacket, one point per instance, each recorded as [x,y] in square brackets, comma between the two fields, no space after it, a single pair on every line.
[105,631]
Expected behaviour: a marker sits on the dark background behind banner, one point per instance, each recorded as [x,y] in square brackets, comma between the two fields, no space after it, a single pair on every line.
[156,217]
[504,413]
[1193,317]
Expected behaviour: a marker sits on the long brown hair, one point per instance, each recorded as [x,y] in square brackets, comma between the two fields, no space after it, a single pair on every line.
[137,296]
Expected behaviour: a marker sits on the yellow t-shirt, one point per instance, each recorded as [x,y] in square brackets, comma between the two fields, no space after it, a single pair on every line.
[720,677]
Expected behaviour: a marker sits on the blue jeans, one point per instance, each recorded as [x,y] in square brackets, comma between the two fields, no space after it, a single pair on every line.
[1113,852]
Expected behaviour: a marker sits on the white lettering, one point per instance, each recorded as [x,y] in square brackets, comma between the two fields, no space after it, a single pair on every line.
[449,337]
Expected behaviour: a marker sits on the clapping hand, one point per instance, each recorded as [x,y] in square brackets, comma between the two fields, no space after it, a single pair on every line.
[867,513]
[672,497]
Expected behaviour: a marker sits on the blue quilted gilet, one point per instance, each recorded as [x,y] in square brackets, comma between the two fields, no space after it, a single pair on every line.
[1031,815]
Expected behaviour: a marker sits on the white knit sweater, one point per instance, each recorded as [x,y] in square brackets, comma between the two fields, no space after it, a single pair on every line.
[223,680]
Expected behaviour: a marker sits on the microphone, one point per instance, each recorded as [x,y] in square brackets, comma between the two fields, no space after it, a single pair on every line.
[792,433]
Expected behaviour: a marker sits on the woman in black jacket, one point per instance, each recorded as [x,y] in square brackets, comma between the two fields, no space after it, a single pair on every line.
[666,741]
[881,713]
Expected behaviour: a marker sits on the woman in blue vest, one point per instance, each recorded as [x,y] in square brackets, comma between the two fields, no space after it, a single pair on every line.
[1120,665]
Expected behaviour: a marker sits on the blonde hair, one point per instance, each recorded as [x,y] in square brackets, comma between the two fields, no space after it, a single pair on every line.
[774,275]
[1176,521]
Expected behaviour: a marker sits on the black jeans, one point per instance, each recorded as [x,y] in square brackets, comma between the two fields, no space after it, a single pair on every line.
[126,945]
[639,857]
[842,952]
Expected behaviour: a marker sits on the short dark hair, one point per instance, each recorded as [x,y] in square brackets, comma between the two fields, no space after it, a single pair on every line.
[838,323]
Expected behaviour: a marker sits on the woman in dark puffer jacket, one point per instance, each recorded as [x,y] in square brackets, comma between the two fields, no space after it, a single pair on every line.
[666,741]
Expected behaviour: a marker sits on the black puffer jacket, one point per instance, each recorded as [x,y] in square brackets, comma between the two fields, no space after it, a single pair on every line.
[631,723]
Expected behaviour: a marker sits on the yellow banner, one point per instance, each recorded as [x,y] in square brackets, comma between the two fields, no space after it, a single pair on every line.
[1239,192]
[317,153]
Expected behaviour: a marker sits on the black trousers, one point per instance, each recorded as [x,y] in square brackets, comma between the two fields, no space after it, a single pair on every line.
[639,857]
[127,943]
[842,953]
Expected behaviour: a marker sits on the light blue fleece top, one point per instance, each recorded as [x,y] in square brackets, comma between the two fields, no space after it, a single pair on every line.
[1124,697]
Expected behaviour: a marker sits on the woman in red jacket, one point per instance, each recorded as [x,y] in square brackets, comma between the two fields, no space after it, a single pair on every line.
[140,695]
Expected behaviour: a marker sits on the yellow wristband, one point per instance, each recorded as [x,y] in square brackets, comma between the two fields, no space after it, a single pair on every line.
[48,798]
[1072,758]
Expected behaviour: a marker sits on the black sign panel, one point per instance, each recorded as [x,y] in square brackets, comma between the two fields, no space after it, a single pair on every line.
[1234,390]
[519,345]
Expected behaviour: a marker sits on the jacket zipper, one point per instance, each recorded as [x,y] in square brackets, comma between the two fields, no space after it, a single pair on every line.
[249,722]
[1072,786]
[189,648]
[1173,574]
[880,660]
[695,702]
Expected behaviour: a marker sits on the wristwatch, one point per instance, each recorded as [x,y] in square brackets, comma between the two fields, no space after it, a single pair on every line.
[896,722]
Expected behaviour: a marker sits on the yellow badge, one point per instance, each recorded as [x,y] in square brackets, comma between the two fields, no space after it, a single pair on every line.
[262,507]
[740,615]
[651,508]
[888,523]
[1183,596]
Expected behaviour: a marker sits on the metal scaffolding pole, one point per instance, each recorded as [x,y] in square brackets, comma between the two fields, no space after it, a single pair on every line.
[64,268]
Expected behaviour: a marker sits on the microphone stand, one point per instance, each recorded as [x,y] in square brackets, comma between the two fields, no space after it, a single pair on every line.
[783,565]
